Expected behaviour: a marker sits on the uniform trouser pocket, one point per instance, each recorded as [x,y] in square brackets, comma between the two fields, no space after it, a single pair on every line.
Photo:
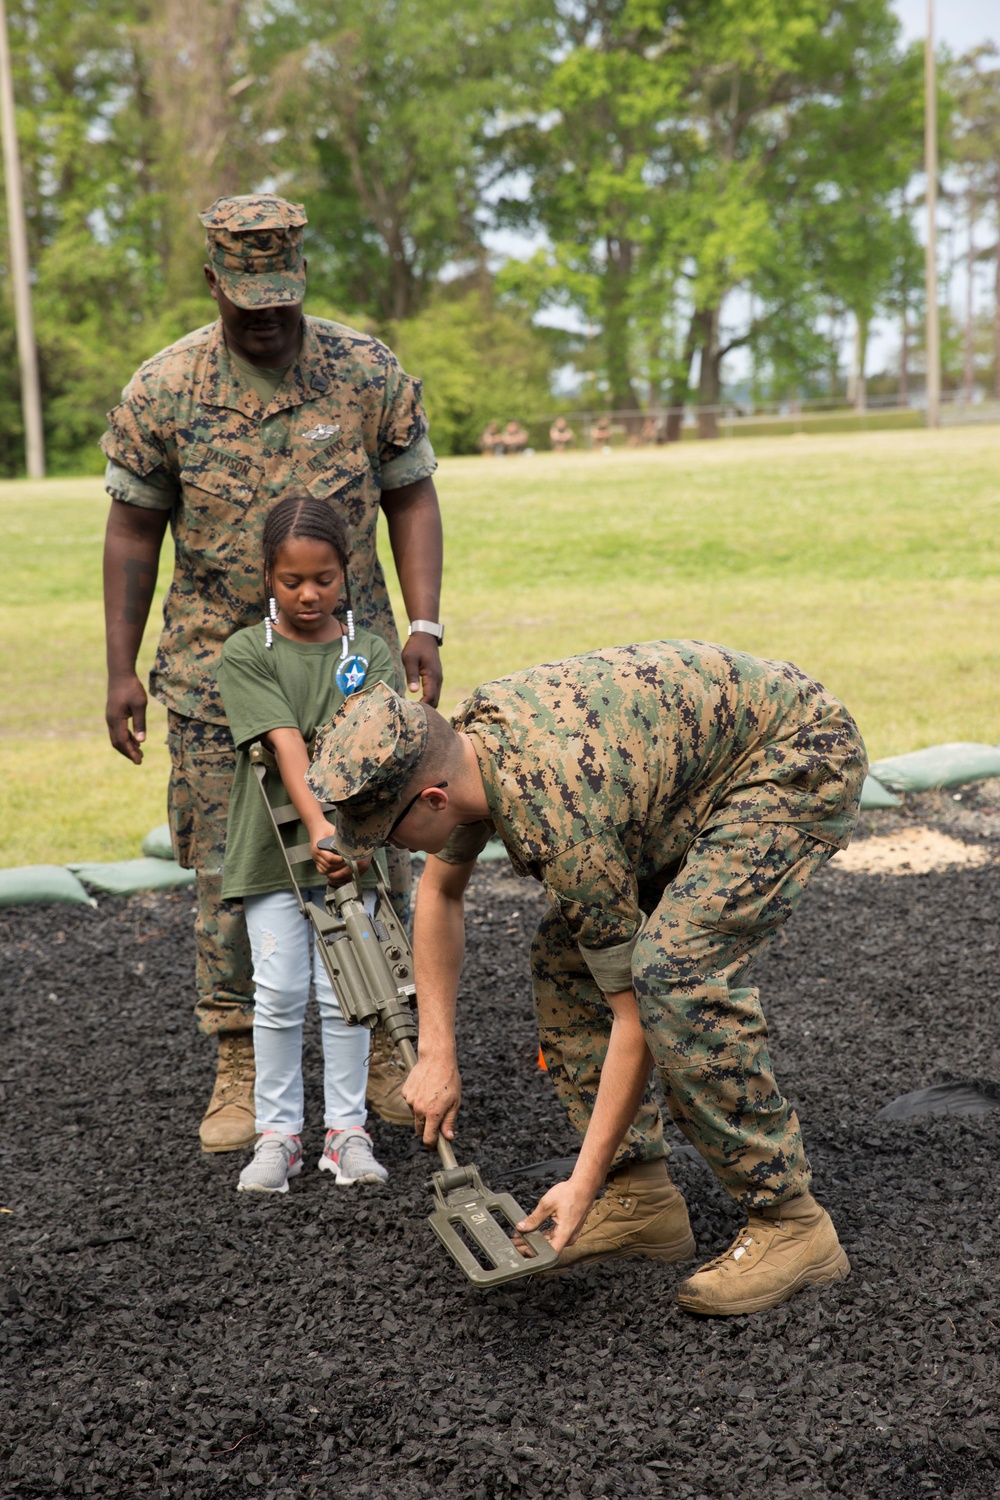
[202,761]
[702,1018]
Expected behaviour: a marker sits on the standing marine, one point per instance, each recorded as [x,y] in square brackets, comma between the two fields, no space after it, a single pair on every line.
[209,435]
[673,798]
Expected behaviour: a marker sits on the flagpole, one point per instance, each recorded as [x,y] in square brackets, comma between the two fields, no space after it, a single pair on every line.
[931,169]
[31,397]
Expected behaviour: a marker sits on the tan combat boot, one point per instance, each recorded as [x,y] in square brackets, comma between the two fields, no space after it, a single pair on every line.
[230,1119]
[640,1213]
[782,1248]
[386,1076]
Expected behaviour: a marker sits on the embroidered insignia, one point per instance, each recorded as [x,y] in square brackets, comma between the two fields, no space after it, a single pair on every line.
[321,431]
[351,673]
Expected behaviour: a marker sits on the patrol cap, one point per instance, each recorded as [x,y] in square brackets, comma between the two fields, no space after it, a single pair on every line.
[363,762]
[254,243]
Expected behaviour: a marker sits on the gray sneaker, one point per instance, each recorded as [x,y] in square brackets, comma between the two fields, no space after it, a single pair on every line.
[348,1154]
[276,1157]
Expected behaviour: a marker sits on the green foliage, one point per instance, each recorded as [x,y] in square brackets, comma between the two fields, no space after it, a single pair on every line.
[383,110]
[670,152]
[479,363]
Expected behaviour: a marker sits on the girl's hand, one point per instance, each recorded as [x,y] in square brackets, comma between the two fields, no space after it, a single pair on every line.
[567,1204]
[327,861]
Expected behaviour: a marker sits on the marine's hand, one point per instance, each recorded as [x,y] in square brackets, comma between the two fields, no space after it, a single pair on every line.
[567,1204]
[434,1092]
[422,662]
[127,702]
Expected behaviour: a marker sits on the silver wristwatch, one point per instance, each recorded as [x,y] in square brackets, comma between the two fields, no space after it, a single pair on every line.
[428,627]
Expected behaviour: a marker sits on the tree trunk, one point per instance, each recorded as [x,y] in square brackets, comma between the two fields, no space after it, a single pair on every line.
[679,383]
[709,375]
[904,358]
[617,275]
[969,361]
[860,360]
[190,46]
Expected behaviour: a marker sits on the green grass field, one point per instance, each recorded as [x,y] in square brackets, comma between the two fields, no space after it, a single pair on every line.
[870,560]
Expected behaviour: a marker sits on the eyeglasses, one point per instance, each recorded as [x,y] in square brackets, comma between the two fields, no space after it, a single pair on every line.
[438,787]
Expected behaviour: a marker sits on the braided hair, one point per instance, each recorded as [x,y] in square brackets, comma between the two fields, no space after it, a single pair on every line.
[302,515]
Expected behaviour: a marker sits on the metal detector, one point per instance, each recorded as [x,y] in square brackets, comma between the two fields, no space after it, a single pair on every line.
[370,965]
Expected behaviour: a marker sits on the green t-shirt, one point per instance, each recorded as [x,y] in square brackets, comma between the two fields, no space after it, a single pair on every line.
[290,686]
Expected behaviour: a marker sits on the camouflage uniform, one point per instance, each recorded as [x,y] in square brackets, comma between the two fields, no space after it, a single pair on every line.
[673,798]
[192,437]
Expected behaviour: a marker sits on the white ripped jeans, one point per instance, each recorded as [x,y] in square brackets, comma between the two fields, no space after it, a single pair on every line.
[284,962]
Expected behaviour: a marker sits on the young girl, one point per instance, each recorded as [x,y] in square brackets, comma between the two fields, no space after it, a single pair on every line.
[280,681]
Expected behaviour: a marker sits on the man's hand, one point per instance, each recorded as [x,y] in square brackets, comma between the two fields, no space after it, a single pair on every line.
[567,1204]
[414,522]
[422,664]
[126,716]
[434,1092]
[131,553]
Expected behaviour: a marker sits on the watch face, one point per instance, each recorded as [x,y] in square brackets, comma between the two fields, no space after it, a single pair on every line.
[351,673]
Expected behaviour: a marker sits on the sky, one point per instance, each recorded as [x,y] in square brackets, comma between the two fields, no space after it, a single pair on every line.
[960,24]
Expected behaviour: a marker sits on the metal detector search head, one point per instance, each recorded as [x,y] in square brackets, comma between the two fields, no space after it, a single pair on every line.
[469,1222]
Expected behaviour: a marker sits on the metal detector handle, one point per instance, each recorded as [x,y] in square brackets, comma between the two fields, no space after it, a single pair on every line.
[263,760]
[448,1158]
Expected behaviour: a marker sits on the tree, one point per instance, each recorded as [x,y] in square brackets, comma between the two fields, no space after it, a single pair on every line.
[383,112]
[668,157]
[479,362]
[975,83]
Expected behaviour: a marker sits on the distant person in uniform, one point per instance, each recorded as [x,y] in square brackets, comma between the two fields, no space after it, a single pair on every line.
[673,799]
[514,438]
[600,434]
[490,439]
[209,435]
[561,435]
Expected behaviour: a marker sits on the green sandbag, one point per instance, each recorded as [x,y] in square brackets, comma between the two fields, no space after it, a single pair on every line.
[128,876]
[874,794]
[32,885]
[157,845]
[938,766]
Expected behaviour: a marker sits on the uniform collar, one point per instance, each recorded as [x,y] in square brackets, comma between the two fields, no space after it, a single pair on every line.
[308,380]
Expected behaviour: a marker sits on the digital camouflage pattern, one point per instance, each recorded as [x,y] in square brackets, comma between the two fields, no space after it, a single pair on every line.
[701,1017]
[202,762]
[254,243]
[191,436]
[601,770]
[674,798]
[362,761]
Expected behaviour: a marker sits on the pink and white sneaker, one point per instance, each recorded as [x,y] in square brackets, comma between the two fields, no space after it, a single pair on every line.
[276,1157]
[348,1154]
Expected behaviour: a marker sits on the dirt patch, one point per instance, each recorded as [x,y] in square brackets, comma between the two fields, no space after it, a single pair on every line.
[909,851]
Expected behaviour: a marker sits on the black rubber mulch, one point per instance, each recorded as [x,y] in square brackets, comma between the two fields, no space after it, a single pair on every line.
[164,1336]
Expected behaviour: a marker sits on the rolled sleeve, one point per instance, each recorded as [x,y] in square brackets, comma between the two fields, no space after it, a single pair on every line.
[156,491]
[611,968]
[418,462]
[403,420]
